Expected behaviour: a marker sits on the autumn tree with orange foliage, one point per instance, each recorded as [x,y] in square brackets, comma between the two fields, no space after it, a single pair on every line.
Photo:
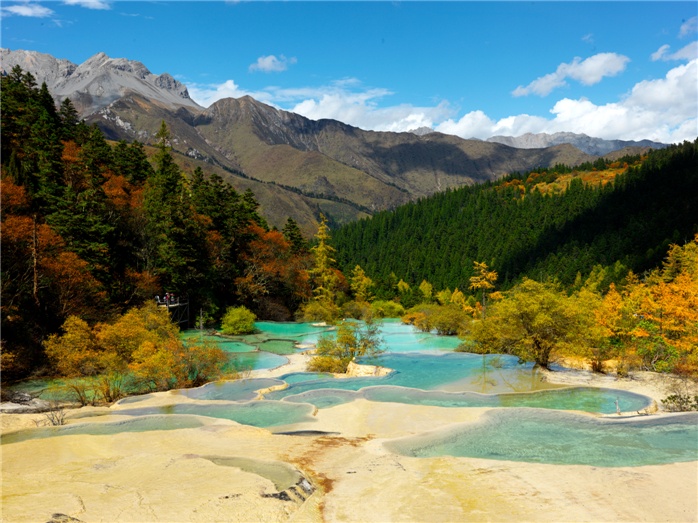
[141,351]
[665,308]
[39,273]
[276,278]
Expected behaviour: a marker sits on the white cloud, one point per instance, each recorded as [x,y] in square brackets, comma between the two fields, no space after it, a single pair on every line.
[89,4]
[205,95]
[361,111]
[663,109]
[592,70]
[542,86]
[688,52]
[28,9]
[348,101]
[272,64]
[660,53]
[689,27]
[472,125]
[588,72]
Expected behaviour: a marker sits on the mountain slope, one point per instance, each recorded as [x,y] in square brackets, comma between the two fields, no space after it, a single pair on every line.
[326,159]
[339,170]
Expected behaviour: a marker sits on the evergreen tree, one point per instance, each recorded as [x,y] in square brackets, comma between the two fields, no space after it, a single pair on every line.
[131,162]
[323,276]
[293,235]
[70,120]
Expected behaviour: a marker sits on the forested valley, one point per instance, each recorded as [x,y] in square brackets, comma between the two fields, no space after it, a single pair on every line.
[599,261]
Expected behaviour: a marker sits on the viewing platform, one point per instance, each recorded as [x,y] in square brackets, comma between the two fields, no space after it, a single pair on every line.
[177,307]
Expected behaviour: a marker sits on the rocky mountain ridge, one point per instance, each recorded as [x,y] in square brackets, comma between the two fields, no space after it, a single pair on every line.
[98,81]
[296,167]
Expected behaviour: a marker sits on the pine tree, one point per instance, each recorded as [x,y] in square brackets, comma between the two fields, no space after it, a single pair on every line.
[293,235]
[323,276]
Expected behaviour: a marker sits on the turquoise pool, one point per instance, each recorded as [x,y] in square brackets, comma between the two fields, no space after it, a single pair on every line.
[144,424]
[535,426]
[255,413]
[548,436]
[586,399]
[443,380]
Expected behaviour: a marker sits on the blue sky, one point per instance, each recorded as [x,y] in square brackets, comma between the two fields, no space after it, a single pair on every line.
[624,70]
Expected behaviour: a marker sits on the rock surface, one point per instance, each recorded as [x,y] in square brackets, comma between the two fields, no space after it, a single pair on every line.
[98,81]
[355,370]
[62,518]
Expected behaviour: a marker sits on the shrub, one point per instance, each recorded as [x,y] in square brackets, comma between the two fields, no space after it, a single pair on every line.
[326,364]
[657,355]
[467,346]
[318,310]
[449,320]
[387,309]
[445,319]
[111,386]
[82,390]
[680,402]
[55,416]
[682,395]
[355,309]
[75,352]
[238,320]
[174,364]
[418,319]
[155,366]
[203,363]
[350,342]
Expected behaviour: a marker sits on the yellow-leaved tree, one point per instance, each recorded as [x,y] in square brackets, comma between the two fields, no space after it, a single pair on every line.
[656,318]
[361,285]
[427,290]
[324,279]
[148,323]
[483,281]
[141,350]
[74,352]
[351,341]
[534,321]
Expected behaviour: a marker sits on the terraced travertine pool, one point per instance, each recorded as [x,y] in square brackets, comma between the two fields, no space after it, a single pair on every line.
[531,419]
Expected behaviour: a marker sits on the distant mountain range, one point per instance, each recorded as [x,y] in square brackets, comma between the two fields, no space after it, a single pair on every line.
[595,146]
[295,166]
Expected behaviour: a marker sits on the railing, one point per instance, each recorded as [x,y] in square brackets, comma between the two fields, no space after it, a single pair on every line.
[176,306]
[169,300]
